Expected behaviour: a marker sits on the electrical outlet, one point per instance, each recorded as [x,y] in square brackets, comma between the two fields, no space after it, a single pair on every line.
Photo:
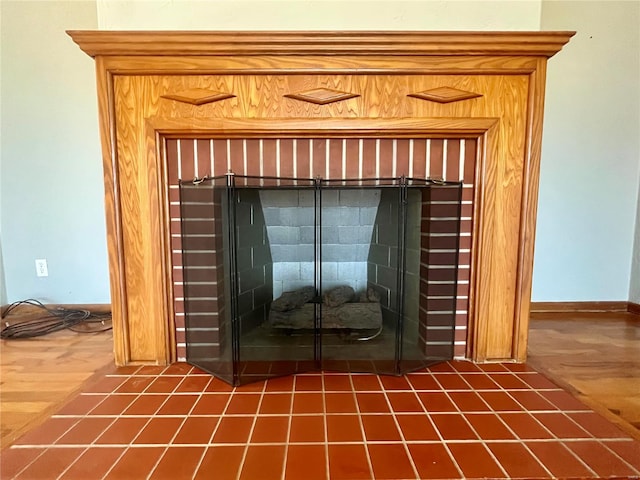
[41,267]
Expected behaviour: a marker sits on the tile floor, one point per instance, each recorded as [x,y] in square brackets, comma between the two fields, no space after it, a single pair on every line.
[454,420]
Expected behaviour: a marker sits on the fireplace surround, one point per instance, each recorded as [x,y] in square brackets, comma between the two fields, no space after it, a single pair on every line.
[158,92]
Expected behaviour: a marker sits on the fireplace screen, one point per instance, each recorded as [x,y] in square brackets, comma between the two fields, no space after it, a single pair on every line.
[286,275]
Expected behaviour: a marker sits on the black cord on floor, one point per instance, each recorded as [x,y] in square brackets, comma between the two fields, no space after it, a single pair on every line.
[53,320]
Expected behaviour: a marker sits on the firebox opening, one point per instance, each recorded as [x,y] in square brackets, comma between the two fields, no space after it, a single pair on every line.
[345,275]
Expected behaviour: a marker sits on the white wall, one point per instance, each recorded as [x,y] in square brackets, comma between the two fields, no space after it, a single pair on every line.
[319,15]
[590,155]
[51,182]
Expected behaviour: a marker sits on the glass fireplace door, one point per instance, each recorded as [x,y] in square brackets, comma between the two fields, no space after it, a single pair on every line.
[430,281]
[206,273]
[274,254]
[360,248]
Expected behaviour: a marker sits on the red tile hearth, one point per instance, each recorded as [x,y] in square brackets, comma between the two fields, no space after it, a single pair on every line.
[456,420]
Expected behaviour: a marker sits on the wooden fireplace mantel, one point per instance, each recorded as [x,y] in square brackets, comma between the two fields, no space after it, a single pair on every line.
[157,85]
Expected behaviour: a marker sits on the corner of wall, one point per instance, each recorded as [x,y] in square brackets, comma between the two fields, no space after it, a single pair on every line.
[634,284]
[3,285]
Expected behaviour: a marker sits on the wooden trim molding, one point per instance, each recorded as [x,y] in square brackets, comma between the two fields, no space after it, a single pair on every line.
[445,95]
[579,307]
[576,310]
[198,96]
[139,73]
[168,43]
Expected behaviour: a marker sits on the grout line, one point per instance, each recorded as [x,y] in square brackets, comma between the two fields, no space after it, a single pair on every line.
[526,447]
[481,439]
[445,158]
[395,420]
[342,442]
[360,157]
[115,462]
[43,448]
[253,425]
[480,412]
[184,417]
[195,158]
[211,157]
[126,448]
[166,449]
[427,155]
[411,147]
[72,463]
[326,431]
[377,158]
[286,448]
[155,414]
[637,470]
[394,157]
[464,418]
[480,390]
[244,156]
[362,431]
[327,160]
[523,440]
[220,417]
[437,430]
[312,374]
[579,459]
[179,158]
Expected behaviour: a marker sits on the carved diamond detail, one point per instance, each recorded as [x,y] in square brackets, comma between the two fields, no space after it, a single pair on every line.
[321,96]
[445,95]
[198,96]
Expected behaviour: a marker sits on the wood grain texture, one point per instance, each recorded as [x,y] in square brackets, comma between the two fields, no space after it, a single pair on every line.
[141,206]
[323,127]
[529,208]
[38,375]
[321,96]
[318,64]
[445,95]
[136,70]
[198,96]
[559,310]
[96,43]
[115,248]
[594,356]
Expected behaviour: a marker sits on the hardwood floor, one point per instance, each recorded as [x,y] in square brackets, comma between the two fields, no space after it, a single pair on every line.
[40,374]
[596,357]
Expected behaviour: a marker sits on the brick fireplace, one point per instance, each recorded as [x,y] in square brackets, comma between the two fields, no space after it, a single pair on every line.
[454,105]
[334,158]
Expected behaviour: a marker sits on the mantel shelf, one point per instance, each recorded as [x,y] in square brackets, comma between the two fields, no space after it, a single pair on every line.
[182,43]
